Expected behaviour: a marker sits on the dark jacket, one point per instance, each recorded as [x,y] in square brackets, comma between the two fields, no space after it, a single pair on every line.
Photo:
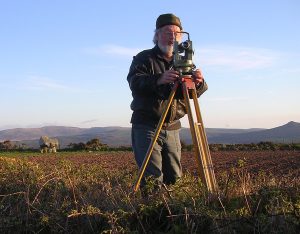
[150,99]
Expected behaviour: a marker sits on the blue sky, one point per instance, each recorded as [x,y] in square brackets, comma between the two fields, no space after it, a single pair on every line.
[65,62]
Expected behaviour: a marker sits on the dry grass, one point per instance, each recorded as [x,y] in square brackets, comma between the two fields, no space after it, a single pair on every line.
[37,195]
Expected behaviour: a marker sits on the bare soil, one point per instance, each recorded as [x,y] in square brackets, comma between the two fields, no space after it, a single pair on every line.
[278,163]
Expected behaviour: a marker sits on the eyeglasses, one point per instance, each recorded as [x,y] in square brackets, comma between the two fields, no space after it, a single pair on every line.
[171,34]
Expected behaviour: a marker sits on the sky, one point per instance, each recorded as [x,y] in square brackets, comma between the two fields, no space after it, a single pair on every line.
[65,62]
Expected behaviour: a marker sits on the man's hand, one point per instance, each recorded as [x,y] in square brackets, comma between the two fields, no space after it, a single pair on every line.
[168,77]
[198,77]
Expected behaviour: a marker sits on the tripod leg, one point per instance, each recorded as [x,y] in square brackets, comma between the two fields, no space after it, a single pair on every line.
[202,153]
[195,139]
[205,147]
[154,139]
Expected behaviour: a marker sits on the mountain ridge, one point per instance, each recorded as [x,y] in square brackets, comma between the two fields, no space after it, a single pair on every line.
[120,136]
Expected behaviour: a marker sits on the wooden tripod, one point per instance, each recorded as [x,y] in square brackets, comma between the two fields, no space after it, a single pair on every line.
[201,148]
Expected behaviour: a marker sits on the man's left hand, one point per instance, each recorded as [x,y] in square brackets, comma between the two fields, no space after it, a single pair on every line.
[198,77]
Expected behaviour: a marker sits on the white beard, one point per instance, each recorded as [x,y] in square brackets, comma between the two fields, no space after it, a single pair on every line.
[166,49]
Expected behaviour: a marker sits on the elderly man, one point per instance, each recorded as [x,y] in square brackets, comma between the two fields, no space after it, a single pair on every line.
[150,79]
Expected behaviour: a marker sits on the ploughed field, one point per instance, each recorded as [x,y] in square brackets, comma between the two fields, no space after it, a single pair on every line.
[277,163]
[91,192]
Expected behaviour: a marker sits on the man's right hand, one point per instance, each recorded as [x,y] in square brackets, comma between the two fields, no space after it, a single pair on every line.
[169,76]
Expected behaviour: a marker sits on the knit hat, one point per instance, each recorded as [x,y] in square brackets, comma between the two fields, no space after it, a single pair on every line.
[168,19]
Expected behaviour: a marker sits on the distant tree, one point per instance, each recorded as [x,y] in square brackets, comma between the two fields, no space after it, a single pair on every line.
[7,145]
[77,146]
[95,144]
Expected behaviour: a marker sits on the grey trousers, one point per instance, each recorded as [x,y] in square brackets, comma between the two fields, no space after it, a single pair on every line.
[164,163]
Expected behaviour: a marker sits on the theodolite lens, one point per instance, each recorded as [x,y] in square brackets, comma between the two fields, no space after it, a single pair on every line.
[185,45]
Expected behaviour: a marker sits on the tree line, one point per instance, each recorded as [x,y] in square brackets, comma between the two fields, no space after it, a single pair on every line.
[96,145]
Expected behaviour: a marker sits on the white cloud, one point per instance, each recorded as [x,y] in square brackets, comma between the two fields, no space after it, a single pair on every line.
[115,50]
[236,58]
[42,83]
[90,121]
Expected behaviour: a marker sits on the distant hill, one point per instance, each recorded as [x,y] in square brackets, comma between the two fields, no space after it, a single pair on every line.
[113,136]
[216,134]
[287,133]
[19,134]
[120,136]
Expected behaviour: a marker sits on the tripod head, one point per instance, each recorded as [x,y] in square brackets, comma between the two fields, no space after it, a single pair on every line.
[183,56]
